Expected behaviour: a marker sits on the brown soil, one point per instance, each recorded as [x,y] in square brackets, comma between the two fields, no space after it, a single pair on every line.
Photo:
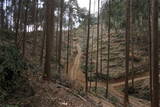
[77,75]
[49,94]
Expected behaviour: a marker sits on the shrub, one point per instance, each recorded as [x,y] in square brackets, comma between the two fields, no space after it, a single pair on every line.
[6,35]
[56,75]
[91,67]
[80,91]
[11,65]
[113,99]
[100,77]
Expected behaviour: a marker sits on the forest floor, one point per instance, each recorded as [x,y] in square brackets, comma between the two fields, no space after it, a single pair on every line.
[48,94]
[114,88]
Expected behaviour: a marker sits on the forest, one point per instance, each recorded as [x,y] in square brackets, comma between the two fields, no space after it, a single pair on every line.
[79,53]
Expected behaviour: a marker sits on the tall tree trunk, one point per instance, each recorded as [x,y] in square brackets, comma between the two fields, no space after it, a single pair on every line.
[97,57]
[109,35]
[91,63]
[57,39]
[2,13]
[68,38]
[87,48]
[13,7]
[155,37]
[92,46]
[6,16]
[43,44]
[17,22]
[49,37]
[21,28]
[60,36]
[35,21]
[25,27]
[149,47]
[71,45]
[127,38]
[132,41]
[101,60]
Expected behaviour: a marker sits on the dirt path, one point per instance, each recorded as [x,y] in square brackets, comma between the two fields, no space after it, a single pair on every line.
[114,90]
[75,74]
[74,70]
[135,102]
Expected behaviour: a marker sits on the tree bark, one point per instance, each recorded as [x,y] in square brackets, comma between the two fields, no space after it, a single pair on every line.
[132,41]
[68,39]
[109,36]
[97,57]
[91,63]
[101,60]
[35,16]
[57,38]
[149,47]
[25,27]
[17,22]
[2,14]
[43,44]
[127,38]
[49,37]
[87,48]
[60,36]
[155,37]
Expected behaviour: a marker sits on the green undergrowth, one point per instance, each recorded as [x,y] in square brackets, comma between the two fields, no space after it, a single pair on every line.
[6,35]
[118,76]
[91,67]
[101,93]
[139,91]
[13,85]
